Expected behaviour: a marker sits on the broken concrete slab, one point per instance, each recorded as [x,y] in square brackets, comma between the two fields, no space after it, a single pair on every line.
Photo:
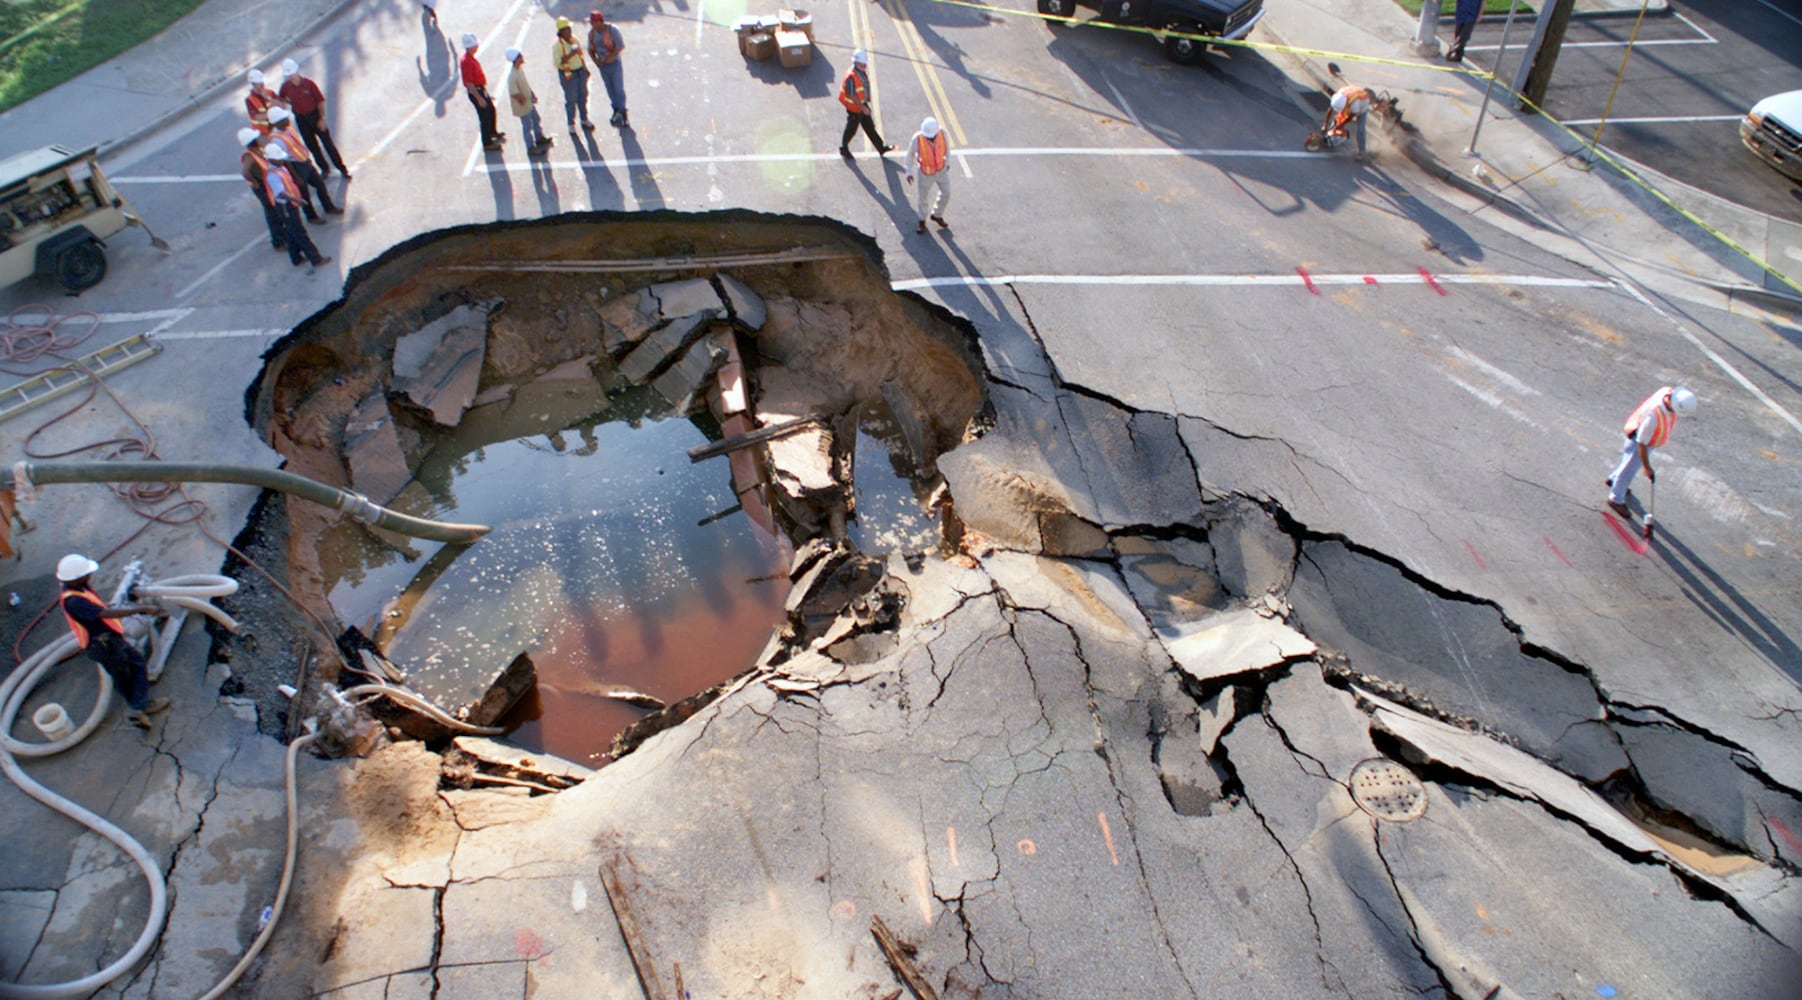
[627,320]
[438,368]
[1253,553]
[1710,784]
[525,763]
[1131,464]
[745,306]
[1172,579]
[1236,642]
[661,348]
[680,381]
[687,299]
[372,450]
[480,808]
[801,462]
[1456,655]
[1214,717]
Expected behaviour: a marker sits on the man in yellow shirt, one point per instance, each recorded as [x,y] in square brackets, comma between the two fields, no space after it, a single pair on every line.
[572,72]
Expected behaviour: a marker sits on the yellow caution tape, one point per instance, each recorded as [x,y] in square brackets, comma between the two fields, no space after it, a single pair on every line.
[1609,158]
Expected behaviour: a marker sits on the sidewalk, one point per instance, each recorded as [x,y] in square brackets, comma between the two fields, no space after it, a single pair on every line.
[1532,169]
[143,90]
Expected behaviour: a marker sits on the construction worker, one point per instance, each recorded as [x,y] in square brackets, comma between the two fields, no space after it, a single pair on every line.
[300,164]
[930,152]
[854,94]
[525,105]
[307,102]
[285,192]
[475,84]
[1350,103]
[97,630]
[255,170]
[1648,426]
[572,70]
[259,101]
[604,47]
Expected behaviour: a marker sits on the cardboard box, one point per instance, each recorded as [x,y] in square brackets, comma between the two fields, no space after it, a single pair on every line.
[761,45]
[795,20]
[750,25]
[795,49]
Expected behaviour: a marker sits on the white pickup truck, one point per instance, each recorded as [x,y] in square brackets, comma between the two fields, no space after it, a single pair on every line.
[1773,130]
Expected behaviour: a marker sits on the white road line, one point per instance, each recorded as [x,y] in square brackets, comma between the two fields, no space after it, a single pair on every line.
[139,317]
[221,334]
[428,102]
[1611,45]
[1654,121]
[1719,361]
[964,162]
[1244,280]
[1780,11]
[184,179]
[700,20]
[216,268]
[1693,26]
[1120,102]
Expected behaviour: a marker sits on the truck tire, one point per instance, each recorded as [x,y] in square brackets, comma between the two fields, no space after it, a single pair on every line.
[1057,8]
[1184,51]
[81,266]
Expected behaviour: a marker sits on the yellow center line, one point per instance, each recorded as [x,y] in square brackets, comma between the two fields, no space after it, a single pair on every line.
[919,55]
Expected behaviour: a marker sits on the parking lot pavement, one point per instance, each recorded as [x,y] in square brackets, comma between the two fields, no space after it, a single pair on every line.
[1692,74]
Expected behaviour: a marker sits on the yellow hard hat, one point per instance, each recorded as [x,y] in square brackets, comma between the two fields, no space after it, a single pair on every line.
[562,22]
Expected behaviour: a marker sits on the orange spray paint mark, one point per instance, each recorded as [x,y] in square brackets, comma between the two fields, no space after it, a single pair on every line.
[951,842]
[1108,836]
[1027,848]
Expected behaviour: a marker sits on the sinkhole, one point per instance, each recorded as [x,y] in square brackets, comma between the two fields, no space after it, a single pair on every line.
[664,418]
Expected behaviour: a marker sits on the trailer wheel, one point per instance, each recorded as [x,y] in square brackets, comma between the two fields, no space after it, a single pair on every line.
[1184,51]
[81,266]
[1057,8]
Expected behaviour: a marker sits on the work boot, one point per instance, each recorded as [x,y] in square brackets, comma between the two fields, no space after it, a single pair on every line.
[141,717]
[941,221]
[844,152]
[1621,509]
[884,150]
[921,227]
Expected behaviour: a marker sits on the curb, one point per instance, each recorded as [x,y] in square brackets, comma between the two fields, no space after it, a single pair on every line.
[215,88]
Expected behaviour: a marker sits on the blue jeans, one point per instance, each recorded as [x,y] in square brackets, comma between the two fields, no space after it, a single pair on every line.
[531,129]
[575,93]
[614,76]
[1624,472]
[123,663]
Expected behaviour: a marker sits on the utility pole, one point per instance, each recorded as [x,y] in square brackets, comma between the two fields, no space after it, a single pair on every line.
[1548,38]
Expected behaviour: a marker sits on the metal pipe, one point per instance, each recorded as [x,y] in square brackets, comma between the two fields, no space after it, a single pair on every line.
[358,506]
[1489,88]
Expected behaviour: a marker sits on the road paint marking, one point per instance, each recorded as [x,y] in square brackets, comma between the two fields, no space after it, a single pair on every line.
[1368,280]
[1430,281]
[1613,45]
[1474,554]
[180,179]
[222,265]
[1547,539]
[1679,119]
[1026,847]
[1783,13]
[1107,836]
[1120,102]
[222,334]
[922,887]
[1301,277]
[965,163]
[700,20]
[1492,371]
[475,151]
[449,85]
[128,317]
[1719,361]
[951,842]
[1693,26]
[921,58]
[1783,831]
[1631,538]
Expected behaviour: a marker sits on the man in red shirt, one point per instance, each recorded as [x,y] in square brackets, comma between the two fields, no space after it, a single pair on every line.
[308,104]
[475,84]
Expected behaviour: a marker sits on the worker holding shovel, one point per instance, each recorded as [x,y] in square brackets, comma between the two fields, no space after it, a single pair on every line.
[1648,426]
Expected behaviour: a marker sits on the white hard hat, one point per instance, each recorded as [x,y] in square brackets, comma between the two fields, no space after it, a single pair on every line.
[930,128]
[1683,401]
[860,57]
[73,567]
[254,76]
[469,41]
[279,114]
[276,151]
[246,136]
[513,55]
[290,67]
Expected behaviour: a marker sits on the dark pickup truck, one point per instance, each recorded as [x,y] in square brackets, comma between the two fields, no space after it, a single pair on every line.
[1228,19]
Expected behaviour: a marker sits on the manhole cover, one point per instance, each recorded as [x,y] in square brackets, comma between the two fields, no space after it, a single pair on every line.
[1388,791]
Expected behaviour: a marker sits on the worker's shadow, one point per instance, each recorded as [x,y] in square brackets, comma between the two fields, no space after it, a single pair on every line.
[501,181]
[639,174]
[1722,602]
[544,184]
[603,191]
[1442,234]
[435,75]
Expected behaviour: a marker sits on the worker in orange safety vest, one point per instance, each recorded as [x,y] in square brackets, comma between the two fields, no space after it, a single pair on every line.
[1648,426]
[98,632]
[854,94]
[930,152]
[1350,104]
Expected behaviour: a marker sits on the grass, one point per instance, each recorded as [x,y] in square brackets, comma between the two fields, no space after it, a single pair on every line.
[45,42]
[1491,8]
